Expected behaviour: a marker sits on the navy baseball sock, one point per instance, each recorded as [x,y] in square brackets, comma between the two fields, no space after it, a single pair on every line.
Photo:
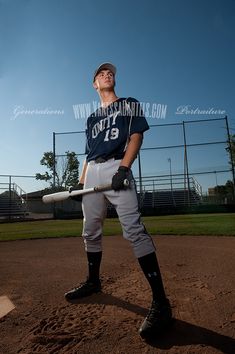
[94,260]
[150,267]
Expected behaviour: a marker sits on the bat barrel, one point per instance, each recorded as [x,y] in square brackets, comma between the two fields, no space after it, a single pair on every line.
[55,197]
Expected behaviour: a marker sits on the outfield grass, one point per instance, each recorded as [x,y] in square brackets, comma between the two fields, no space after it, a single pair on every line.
[191,224]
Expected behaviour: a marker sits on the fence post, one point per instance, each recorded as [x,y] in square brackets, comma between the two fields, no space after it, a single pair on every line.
[54,171]
[9,200]
[231,155]
[54,162]
[140,179]
[186,163]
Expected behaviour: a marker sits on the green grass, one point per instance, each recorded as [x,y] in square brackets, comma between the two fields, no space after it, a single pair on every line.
[192,224]
[189,224]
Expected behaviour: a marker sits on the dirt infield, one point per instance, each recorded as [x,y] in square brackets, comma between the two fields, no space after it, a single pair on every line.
[199,278]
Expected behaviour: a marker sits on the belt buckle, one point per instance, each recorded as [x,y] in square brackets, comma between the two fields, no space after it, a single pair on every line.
[100,160]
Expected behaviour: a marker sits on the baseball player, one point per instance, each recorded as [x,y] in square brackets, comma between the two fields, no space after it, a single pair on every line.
[114,135]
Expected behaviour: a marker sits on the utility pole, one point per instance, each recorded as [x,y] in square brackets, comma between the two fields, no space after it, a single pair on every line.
[231,155]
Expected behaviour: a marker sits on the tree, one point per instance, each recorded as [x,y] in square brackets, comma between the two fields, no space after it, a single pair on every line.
[66,170]
[225,191]
[232,149]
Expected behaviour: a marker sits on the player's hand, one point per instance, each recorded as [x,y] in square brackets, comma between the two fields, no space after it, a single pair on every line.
[119,178]
[77,198]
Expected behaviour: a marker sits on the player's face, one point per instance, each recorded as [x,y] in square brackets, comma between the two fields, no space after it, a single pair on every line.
[104,80]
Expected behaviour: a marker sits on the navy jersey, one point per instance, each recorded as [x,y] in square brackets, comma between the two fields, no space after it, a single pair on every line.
[108,129]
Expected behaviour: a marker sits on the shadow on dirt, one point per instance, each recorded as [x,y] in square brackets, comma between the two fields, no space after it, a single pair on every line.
[181,333]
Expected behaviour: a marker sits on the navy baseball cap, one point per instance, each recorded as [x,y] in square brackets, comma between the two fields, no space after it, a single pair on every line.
[107,66]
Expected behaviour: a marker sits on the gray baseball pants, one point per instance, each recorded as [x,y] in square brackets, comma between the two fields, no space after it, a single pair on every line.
[125,202]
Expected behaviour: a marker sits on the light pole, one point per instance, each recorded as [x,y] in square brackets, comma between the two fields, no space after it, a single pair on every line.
[172,194]
[169,160]
[216,182]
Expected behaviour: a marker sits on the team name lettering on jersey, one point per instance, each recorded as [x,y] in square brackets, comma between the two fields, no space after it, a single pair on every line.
[108,128]
[104,124]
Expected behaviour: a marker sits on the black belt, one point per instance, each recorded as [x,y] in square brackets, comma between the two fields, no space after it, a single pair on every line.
[101,159]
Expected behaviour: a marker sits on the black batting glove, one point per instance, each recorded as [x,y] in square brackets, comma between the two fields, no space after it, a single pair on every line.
[119,178]
[77,198]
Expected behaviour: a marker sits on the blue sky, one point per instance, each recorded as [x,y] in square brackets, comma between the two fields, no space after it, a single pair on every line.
[167,52]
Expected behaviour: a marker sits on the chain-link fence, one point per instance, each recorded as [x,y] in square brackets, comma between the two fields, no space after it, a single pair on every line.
[180,165]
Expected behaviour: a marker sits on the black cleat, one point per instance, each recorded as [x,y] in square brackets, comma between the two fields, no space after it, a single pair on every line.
[158,319]
[85,289]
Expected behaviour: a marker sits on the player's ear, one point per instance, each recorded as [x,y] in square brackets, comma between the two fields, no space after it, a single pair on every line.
[95,85]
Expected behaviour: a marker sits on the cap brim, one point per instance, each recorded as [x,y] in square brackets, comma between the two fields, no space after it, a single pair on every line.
[107,66]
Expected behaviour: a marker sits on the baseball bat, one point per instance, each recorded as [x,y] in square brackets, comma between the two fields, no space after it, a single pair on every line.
[60,196]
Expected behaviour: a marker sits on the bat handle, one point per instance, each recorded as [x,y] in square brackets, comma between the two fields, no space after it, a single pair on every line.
[101,188]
